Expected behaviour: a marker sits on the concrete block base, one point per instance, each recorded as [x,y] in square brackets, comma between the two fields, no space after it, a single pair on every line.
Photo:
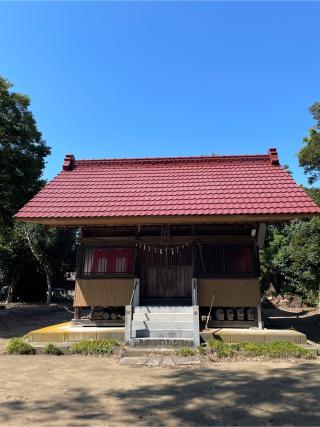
[69,333]
[253,335]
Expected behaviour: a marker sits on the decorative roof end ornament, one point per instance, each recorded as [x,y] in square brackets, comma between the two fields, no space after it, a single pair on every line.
[69,162]
[273,156]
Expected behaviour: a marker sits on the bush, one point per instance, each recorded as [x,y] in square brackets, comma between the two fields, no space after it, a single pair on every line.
[91,348]
[19,346]
[272,350]
[52,349]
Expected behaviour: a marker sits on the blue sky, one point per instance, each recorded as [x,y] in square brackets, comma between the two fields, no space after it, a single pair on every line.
[164,79]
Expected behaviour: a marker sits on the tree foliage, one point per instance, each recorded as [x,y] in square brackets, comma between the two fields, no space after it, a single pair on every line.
[54,249]
[290,262]
[14,258]
[22,152]
[309,155]
[33,258]
[314,193]
[291,259]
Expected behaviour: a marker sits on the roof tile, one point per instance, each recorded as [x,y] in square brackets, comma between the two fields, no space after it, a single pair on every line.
[208,185]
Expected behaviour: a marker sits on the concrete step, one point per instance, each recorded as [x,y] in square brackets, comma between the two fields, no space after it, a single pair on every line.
[142,351]
[163,309]
[159,324]
[162,342]
[163,317]
[163,333]
[165,361]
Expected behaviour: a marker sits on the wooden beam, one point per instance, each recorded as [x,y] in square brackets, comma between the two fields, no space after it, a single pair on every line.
[262,235]
[169,219]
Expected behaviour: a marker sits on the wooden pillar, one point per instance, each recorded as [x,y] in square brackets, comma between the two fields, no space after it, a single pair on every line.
[262,235]
[260,323]
[77,313]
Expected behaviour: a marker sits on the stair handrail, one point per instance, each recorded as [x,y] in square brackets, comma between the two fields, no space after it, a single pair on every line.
[134,300]
[194,284]
[209,314]
[136,283]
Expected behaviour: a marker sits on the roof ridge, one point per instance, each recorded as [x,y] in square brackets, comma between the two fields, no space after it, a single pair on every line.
[159,160]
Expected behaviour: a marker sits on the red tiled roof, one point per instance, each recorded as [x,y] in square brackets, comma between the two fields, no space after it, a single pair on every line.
[208,185]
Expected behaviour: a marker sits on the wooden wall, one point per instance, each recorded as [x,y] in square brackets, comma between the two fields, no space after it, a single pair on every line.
[229,292]
[166,282]
[103,292]
[117,292]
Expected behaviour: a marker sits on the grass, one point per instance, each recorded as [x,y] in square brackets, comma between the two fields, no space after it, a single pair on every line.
[52,349]
[19,346]
[201,349]
[223,350]
[186,352]
[93,348]
[272,350]
[277,350]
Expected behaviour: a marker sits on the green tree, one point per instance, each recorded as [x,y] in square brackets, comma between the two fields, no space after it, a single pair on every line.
[290,262]
[314,193]
[29,253]
[22,159]
[270,280]
[309,155]
[22,152]
[25,248]
[293,259]
[54,249]
[13,253]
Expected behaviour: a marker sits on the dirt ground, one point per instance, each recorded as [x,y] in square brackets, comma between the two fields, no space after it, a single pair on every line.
[305,320]
[18,319]
[83,391]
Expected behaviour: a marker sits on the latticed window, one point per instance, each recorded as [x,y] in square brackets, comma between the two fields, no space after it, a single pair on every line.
[107,261]
[227,260]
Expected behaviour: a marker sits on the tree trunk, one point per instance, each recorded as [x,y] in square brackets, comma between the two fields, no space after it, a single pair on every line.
[44,265]
[11,289]
[49,284]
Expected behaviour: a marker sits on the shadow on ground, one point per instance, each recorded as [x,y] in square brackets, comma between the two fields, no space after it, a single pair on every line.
[304,320]
[206,398]
[243,394]
[19,319]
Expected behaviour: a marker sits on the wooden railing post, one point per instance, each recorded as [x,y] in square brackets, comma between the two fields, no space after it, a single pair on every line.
[260,323]
[128,325]
[196,327]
